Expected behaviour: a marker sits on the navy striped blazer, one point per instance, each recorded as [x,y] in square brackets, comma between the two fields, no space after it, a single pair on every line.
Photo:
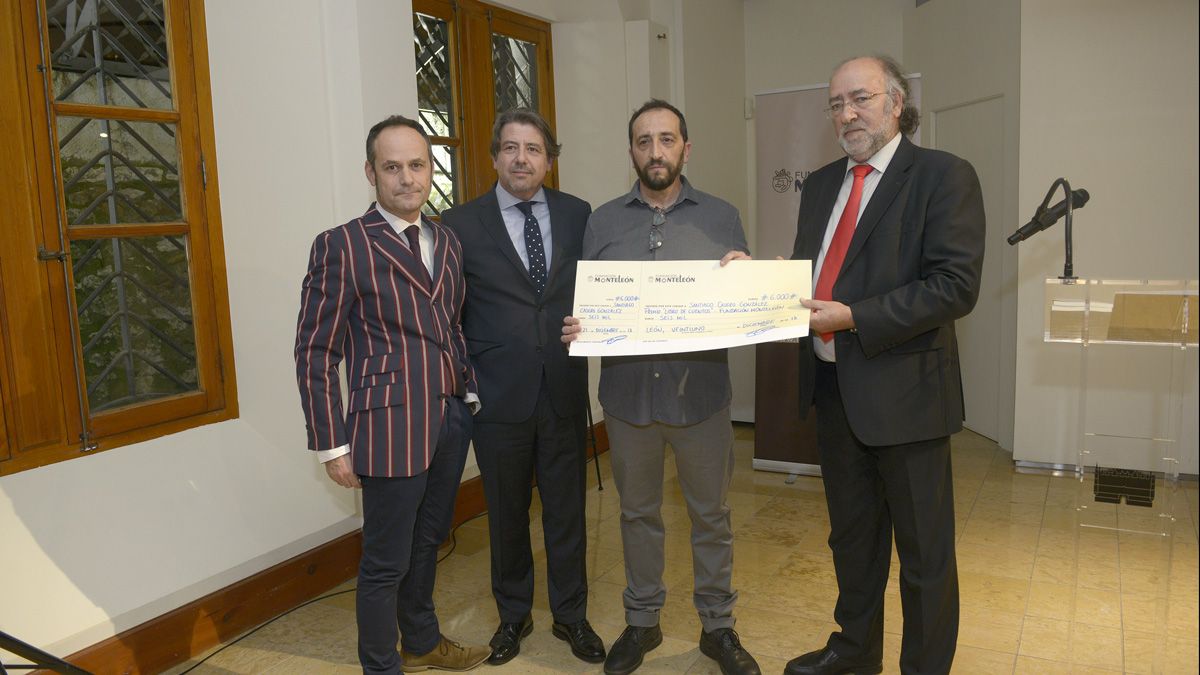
[365,299]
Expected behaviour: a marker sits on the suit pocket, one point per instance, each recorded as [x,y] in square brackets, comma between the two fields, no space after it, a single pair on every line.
[381,396]
[380,369]
[477,347]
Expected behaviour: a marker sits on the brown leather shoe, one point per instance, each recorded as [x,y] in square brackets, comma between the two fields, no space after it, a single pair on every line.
[448,655]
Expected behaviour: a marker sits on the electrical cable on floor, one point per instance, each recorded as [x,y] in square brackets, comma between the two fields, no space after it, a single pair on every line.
[453,545]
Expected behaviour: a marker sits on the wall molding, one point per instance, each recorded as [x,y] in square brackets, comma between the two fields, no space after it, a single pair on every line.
[183,633]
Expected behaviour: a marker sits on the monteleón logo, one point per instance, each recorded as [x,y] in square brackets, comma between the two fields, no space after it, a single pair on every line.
[672,279]
[609,279]
[785,181]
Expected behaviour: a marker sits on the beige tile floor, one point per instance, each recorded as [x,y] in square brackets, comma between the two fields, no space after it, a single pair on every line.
[1039,594]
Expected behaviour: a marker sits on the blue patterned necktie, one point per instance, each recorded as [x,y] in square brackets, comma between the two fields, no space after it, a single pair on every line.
[533,247]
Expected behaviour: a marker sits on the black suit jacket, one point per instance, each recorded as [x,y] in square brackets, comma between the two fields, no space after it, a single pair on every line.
[511,332]
[912,268]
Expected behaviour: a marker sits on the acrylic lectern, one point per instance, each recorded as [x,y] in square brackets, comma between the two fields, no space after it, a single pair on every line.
[1132,340]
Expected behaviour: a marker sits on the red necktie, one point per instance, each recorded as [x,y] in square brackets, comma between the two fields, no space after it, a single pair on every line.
[414,245]
[836,254]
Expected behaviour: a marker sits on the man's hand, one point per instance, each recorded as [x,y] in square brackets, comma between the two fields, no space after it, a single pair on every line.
[342,472]
[734,255]
[570,329]
[828,316]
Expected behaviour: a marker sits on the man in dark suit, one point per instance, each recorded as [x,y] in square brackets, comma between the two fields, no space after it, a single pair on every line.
[897,233]
[385,291]
[521,242]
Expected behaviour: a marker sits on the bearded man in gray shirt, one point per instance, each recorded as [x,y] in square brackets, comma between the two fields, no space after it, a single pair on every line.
[681,399]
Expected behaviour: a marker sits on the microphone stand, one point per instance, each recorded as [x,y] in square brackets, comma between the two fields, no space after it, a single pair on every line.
[1068,274]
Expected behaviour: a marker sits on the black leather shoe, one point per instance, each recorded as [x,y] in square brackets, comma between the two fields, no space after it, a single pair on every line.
[629,649]
[506,643]
[723,646]
[827,662]
[585,644]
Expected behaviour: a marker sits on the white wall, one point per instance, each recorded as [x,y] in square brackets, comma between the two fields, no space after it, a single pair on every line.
[969,62]
[1108,100]
[99,544]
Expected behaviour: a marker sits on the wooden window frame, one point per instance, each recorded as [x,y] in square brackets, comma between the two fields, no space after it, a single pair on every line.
[45,419]
[471,25]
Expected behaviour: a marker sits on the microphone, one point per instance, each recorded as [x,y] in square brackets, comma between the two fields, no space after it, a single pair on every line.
[1046,217]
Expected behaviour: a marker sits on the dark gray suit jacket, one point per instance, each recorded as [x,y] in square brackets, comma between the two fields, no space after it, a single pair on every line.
[511,332]
[912,268]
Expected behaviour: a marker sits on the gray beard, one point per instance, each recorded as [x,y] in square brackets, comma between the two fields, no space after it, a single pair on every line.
[876,141]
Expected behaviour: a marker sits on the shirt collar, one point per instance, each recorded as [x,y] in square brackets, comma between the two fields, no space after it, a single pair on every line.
[881,159]
[398,224]
[506,198]
[687,193]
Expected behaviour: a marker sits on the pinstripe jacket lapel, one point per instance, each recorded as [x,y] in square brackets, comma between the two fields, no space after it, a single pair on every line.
[388,244]
[441,254]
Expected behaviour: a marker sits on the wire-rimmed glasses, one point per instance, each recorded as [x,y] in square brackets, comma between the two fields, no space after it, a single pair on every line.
[857,103]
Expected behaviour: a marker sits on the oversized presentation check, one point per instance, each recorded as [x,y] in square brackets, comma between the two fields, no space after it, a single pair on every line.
[626,308]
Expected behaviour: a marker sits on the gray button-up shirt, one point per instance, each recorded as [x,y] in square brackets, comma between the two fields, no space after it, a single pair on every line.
[674,389]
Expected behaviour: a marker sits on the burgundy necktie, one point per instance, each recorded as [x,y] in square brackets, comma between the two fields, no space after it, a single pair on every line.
[836,254]
[414,245]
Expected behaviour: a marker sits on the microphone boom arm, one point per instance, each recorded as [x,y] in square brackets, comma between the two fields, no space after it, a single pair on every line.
[1068,262]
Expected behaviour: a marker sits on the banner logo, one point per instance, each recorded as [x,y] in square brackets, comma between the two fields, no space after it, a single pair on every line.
[782,181]
[785,181]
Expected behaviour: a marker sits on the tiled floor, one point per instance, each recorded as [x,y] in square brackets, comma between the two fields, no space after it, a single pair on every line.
[1039,594]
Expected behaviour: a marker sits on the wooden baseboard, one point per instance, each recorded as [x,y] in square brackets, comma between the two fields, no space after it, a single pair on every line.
[220,616]
[183,633]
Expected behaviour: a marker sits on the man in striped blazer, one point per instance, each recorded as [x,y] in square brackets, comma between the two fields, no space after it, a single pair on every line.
[385,292]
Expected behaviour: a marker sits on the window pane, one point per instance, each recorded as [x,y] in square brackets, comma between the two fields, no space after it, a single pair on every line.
[109,52]
[115,171]
[445,184]
[435,100]
[514,66]
[135,319]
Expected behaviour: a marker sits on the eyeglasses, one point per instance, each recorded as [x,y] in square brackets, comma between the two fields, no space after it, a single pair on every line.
[856,103]
[656,238]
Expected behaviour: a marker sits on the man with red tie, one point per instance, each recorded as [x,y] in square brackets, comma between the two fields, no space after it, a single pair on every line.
[385,292]
[897,235]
